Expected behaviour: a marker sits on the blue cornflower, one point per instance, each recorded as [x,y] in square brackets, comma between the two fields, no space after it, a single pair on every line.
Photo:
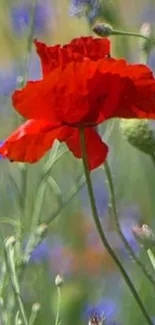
[8,81]
[130,218]
[10,76]
[1,142]
[148,14]
[100,192]
[151,60]
[60,257]
[21,17]
[41,253]
[105,308]
[89,8]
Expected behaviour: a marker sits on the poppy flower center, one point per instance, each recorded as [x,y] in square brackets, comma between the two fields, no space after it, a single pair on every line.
[78,125]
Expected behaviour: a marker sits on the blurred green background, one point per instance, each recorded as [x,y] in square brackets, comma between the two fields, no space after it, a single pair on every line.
[72,247]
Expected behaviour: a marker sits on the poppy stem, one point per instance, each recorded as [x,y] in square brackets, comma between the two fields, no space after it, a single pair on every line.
[122,33]
[153,159]
[146,272]
[151,257]
[57,321]
[102,234]
[10,253]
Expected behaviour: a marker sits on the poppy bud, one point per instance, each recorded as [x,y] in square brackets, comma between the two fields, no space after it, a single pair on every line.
[139,134]
[59,281]
[144,236]
[103,30]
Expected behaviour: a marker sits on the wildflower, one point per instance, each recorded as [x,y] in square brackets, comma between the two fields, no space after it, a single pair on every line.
[104,310]
[21,17]
[41,253]
[151,60]
[145,236]
[88,8]
[1,143]
[61,257]
[148,13]
[81,88]
[130,217]
[101,195]
[59,281]
[8,81]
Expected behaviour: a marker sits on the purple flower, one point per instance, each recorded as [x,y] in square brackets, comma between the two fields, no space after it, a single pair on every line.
[151,60]
[21,17]
[41,253]
[104,308]
[34,69]
[129,218]
[126,227]
[1,142]
[89,8]
[60,257]
[101,195]
[11,76]
[8,81]
[148,14]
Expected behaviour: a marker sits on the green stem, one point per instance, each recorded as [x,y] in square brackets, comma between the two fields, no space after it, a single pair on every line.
[102,234]
[153,159]
[121,33]
[67,200]
[151,257]
[34,313]
[116,219]
[57,321]
[23,190]
[15,283]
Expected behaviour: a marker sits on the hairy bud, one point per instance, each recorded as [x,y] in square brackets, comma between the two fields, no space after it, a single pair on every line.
[145,44]
[59,281]
[139,134]
[144,236]
[103,30]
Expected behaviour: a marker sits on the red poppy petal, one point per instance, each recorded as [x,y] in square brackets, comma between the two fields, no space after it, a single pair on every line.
[36,100]
[90,95]
[31,141]
[132,90]
[78,49]
[145,99]
[92,48]
[124,69]
[50,56]
[136,71]
[96,149]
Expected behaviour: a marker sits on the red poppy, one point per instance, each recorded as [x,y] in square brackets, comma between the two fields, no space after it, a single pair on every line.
[77,50]
[78,94]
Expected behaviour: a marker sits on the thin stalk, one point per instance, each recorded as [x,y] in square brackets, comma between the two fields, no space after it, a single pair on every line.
[102,234]
[121,33]
[15,283]
[153,159]
[144,269]
[151,257]
[67,200]
[57,321]
[34,313]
